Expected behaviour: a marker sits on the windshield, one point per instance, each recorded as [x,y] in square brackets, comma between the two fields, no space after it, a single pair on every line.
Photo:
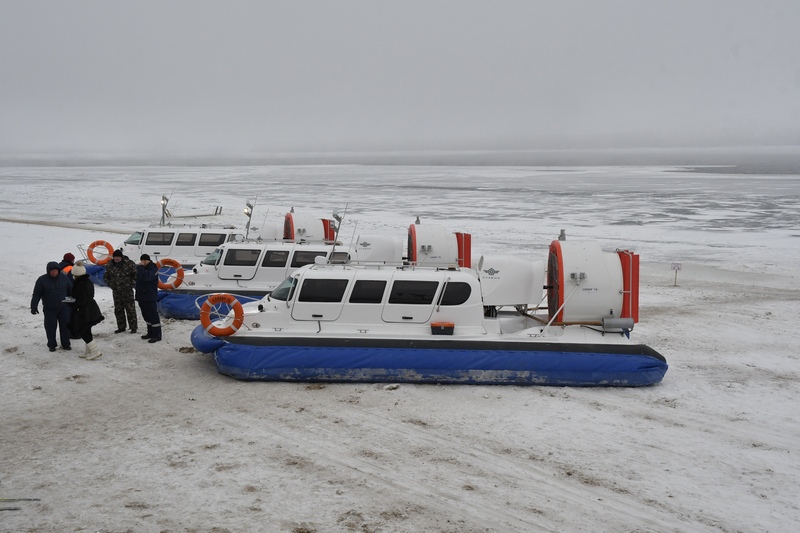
[135,238]
[212,258]
[285,290]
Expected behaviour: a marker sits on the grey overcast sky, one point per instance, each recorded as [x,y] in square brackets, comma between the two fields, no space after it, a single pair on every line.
[236,76]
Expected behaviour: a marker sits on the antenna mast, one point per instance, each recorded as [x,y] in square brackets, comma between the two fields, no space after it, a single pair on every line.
[248,212]
[338,228]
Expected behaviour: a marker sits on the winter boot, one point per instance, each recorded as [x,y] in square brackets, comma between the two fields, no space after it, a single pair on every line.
[94,351]
[85,354]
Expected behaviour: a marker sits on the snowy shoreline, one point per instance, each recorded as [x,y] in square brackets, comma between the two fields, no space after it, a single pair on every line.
[150,437]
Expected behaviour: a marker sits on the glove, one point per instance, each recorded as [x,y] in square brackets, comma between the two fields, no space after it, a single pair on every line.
[34,311]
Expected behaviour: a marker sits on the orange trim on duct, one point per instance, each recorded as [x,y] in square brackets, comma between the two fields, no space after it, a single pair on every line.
[412,244]
[464,241]
[555,281]
[327,229]
[288,227]
[630,284]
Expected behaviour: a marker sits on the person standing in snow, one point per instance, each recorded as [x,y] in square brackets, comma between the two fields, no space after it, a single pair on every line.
[52,289]
[120,276]
[147,296]
[66,265]
[86,313]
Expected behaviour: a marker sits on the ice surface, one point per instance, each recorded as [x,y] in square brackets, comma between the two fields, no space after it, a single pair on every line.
[151,438]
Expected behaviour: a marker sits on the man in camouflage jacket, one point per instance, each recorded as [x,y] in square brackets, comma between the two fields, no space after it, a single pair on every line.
[120,275]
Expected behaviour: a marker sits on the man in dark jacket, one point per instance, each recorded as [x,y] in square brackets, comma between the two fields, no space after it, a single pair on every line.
[52,288]
[120,275]
[147,296]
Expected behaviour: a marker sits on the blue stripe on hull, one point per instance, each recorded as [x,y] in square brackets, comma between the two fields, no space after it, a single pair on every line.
[432,365]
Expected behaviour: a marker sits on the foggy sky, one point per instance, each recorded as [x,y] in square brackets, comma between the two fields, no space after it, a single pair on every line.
[263,76]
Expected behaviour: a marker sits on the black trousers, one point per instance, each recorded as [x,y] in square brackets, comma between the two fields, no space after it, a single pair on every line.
[151,318]
[57,318]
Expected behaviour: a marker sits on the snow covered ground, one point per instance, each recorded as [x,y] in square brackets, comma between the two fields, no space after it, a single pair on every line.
[151,438]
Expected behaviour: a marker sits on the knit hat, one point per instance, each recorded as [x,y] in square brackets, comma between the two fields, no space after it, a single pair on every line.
[78,270]
[117,253]
[68,257]
[52,265]
[144,256]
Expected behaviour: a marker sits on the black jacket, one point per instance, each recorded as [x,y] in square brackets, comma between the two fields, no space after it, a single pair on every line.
[51,291]
[86,312]
[147,283]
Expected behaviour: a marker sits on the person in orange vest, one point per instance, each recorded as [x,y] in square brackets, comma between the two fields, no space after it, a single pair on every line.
[65,267]
[67,264]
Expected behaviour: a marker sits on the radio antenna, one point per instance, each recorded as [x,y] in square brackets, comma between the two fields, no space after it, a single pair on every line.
[248,212]
[339,220]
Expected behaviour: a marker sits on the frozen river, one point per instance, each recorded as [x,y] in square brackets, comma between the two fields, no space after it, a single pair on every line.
[669,214]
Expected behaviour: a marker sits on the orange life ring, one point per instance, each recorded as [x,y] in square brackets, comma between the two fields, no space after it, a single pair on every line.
[205,315]
[178,273]
[97,244]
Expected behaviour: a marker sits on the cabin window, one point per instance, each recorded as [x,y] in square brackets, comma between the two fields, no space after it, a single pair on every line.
[135,239]
[413,292]
[213,257]
[322,290]
[159,238]
[275,258]
[285,290]
[243,258]
[456,293]
[211,239]
[186,239]
[367,291]
[304,257]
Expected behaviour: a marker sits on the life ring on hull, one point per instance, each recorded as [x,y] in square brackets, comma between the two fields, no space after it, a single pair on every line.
[178,274]
[98,244]
[205,315]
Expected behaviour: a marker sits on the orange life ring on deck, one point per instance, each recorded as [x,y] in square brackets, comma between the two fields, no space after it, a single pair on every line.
[178,273]
[97,244]
[205,315]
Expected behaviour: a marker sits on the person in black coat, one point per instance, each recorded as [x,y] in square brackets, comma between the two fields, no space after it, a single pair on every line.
[86,313]
[52,289]
[147,296]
